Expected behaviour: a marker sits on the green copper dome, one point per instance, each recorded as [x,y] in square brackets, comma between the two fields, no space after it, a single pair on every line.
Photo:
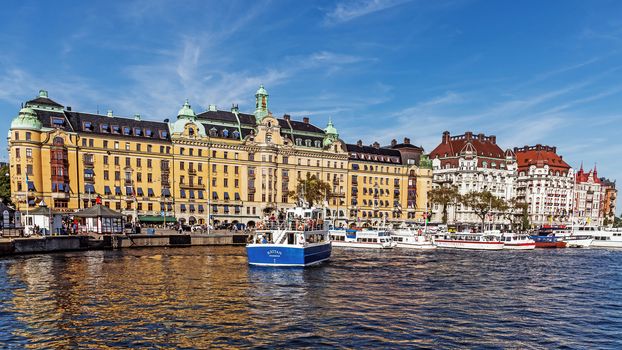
[261,91]
[330,129]
[27,119]
[186,111]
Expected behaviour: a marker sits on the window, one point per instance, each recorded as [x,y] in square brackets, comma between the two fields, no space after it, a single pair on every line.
[181,165]
[138,147]
[117,175]
[116,129]
[182,150]
[200,166]
[106,175]
[317,144]
[58,122]
[91,142]
[18,169]
[116,145]
[127,130]
[148,133]
[116,160]
[105,128]
[298,142]
[138,131]
[308,143]
[148,163]
[163,134]
[29,169]
[224,155]
[149,148]
[28,152]
[127,146]
[17,153]
[28,135]
[138,162]
[225,169]
[105,144]
[149,177]
[87,126]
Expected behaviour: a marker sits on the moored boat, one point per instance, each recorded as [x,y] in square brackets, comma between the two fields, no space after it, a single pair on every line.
[407,238]
[467,240]
[548,241]
[372,239]
[302,240]
[601,238]
[513,241]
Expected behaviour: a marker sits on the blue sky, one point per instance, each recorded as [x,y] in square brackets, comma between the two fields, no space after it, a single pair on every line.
[529,72]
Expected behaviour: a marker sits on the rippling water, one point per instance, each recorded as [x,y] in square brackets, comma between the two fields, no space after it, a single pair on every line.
[208,297]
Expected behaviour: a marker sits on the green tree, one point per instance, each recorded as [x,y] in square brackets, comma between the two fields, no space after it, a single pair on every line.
[5,185]
[444,196]
[514,210]
[617,222]
[312,190]
[482,203]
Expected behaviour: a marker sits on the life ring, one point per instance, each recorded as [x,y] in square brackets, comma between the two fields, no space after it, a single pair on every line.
[301,227]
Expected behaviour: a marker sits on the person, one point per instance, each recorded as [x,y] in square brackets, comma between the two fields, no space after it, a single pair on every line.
[181,229]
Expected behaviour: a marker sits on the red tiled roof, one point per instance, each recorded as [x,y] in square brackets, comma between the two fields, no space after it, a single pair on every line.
[540,156]
[450,146]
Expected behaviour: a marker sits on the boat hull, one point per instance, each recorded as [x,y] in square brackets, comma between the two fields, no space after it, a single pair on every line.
[579,243]
[362,245]
[606,244]
[520,246]
[558,244]
[417,245]
[452,244]
[287,255]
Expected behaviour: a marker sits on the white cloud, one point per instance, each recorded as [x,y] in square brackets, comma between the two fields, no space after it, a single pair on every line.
[349,10]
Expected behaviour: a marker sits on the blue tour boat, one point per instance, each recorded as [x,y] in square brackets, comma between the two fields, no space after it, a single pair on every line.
[302,240]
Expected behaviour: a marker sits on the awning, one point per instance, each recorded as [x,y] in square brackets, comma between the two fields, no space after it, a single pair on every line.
[237,209]
[200,194]
[128,190]
[201,208]
[226,195]
[214,195]
[226,209]
[156,218]
[150,192]
[169,207]
[117,190]
[182,193]
[192,208]
[237,196]
[89,188]
[140,192]
[89,171]
[31,202]
[182,207]
[107,190]
[191,193]
[31,186]
[165,192]
[215,208]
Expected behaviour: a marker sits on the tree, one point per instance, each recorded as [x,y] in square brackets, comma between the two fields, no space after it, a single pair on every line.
[5,185]
[311,189]
[514,210]
[617,222]
[482,203]
[444,196]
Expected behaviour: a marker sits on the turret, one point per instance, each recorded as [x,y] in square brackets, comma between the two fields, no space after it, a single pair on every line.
[261,104]
[26,119]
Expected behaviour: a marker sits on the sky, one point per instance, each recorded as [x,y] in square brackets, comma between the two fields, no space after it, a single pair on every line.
[529,72]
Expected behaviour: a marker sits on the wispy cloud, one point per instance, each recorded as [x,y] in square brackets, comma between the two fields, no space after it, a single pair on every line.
[348,10]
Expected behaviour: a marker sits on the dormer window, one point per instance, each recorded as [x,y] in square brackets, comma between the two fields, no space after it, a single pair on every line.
[104,128]
[225,133]
[138,131]
[116,129]
[308,143]
[190,131]
[298,142]
[213,132]
[148,133]
[127,130]
[58,122]
[317,143]
[163,134]
[87,126]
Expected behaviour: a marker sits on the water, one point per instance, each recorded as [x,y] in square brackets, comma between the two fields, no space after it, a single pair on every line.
[204,297]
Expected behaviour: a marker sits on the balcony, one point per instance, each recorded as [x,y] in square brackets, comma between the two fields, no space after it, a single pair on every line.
[192,171]
[60,195]
[88,162]
[192,186]
[251,190]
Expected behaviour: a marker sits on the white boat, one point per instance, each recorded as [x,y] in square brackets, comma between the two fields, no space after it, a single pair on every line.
[467,240]
[608,238]
[406,238]
[373,239]
[513,241]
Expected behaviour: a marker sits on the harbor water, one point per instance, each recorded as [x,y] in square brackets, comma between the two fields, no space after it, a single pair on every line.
[203,297]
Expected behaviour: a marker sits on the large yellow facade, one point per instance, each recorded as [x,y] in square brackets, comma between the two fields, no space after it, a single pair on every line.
[222,166]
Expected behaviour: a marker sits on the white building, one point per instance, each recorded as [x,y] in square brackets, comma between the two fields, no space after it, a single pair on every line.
[545,183]
[589,193]
[472,163]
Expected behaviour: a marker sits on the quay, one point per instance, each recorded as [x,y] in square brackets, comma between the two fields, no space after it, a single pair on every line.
[50,244]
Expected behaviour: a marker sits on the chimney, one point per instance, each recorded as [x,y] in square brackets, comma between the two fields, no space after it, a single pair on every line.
[287,117]
[234,108]
[468,135]
[137,117]
[407,140]
[554,149]
[538,147]
[305,120]
[480,137]
[493,139]
[68,108]
[166,120]
[393,143]
[515,149]
[212,108]
[109,114]
[446,137]
[359,143]
[375,145]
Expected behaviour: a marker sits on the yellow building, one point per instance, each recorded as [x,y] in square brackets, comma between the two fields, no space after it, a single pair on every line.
[221,166]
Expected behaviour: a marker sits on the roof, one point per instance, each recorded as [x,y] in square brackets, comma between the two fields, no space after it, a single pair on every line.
[452,146]
[98,210]
[100,124]
[540,156]
[44,101]
[373,154]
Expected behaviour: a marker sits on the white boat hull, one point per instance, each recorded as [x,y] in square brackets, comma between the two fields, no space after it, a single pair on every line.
[606,244]
[519,246]
[469,245]
[417,245]
[362,245]
[579,243]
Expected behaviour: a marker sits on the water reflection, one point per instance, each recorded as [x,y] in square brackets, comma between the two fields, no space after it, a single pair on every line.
[208,296]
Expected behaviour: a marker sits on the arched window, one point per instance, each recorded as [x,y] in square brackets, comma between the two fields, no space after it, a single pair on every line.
[308,143]
[58,141]
[298,142]
[213,132]
[235,134]
[317,143]
[191,131]
[484,164]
